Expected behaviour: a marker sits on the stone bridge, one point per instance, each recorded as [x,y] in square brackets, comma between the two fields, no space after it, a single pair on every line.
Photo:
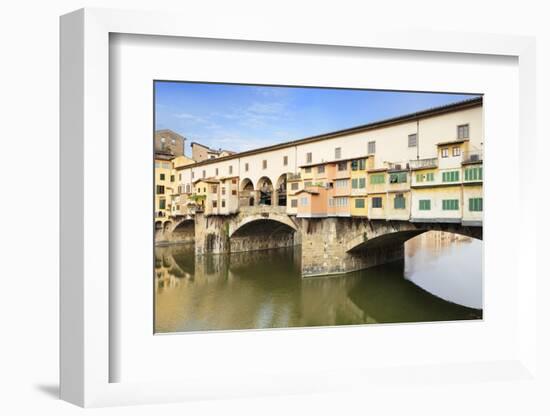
[328,245]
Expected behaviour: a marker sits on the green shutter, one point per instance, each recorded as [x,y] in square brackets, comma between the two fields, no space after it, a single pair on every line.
[425,204]
[475,204]
[399,202]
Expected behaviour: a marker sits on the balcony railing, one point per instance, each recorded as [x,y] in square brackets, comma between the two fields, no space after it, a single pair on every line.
[397,166]
[293,176]
[473,156]
[423,163]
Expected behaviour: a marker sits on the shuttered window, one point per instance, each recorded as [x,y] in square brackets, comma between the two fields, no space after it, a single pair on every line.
[473,174]
[377,179]
[450,204]
[377,202]
[399,201]
[424,205]
[475,204]
[463,131]
[452,176]
[360,203]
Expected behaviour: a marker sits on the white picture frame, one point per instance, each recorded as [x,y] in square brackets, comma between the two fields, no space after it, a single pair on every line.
[85,211]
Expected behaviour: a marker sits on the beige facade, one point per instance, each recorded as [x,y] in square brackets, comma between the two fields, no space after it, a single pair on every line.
[382,170]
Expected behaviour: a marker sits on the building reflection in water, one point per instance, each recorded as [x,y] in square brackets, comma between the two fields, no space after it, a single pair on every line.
[264,289]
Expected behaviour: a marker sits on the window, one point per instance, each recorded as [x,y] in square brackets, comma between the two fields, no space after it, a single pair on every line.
[179,177]
[358,183]
[377,202]
[246,167]
[308,169]
[342,166]
[445,152]
[162,176]
[473,174]
[204,174]
[338,153]
[223,190]
[371,148]
[264,164]
[321,169]
[359,203]
[233,192]
[475,204]
[231,169]
[162,203]
[294,203]
[214,189]
[463,131]
[377,179]
[187,188]
[223,203]
[412,140]
[157,165]
[450,204]
[428,177]
[338,202]
[309,157]
[341,183]
[399,201]
[451,176]
[214,204]
[303,201]
[192,175]
[358,164]
[234,181]
[160,189]
[399,177]
[308,184]
[285,160]
[456,151]
[216,171]
[424,204]
[294,186]
[172,178]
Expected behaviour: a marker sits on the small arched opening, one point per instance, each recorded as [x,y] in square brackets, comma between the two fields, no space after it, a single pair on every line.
[246,193]
[265,191]
[280,191]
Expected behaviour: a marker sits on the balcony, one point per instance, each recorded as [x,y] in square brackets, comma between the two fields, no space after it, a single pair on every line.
[473,156]
[397,167]
[423,163]
[293,176]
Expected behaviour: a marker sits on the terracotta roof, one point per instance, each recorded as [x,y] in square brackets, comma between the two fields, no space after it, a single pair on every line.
[456,141]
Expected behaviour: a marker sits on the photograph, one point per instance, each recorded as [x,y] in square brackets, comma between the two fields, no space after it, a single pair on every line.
[297,206]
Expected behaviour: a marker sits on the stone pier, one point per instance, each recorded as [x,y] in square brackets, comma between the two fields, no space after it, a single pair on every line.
[328,245]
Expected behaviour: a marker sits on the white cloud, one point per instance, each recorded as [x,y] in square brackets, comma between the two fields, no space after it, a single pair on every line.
[191,117]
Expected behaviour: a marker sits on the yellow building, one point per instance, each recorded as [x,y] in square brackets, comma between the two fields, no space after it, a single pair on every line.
[165,183]
[358,182]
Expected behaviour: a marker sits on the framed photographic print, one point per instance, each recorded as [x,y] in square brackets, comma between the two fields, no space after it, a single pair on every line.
[278,212]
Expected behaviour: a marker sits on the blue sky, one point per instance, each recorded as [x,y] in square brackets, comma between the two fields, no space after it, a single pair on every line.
[243,117]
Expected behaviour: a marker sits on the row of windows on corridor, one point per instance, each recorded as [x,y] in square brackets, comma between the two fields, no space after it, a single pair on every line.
[471,174]
[463,132]
[399,202]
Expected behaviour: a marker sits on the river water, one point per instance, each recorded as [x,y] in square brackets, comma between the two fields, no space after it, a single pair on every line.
[440,279]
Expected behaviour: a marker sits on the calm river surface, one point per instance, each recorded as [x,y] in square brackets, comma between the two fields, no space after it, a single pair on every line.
[440,279]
